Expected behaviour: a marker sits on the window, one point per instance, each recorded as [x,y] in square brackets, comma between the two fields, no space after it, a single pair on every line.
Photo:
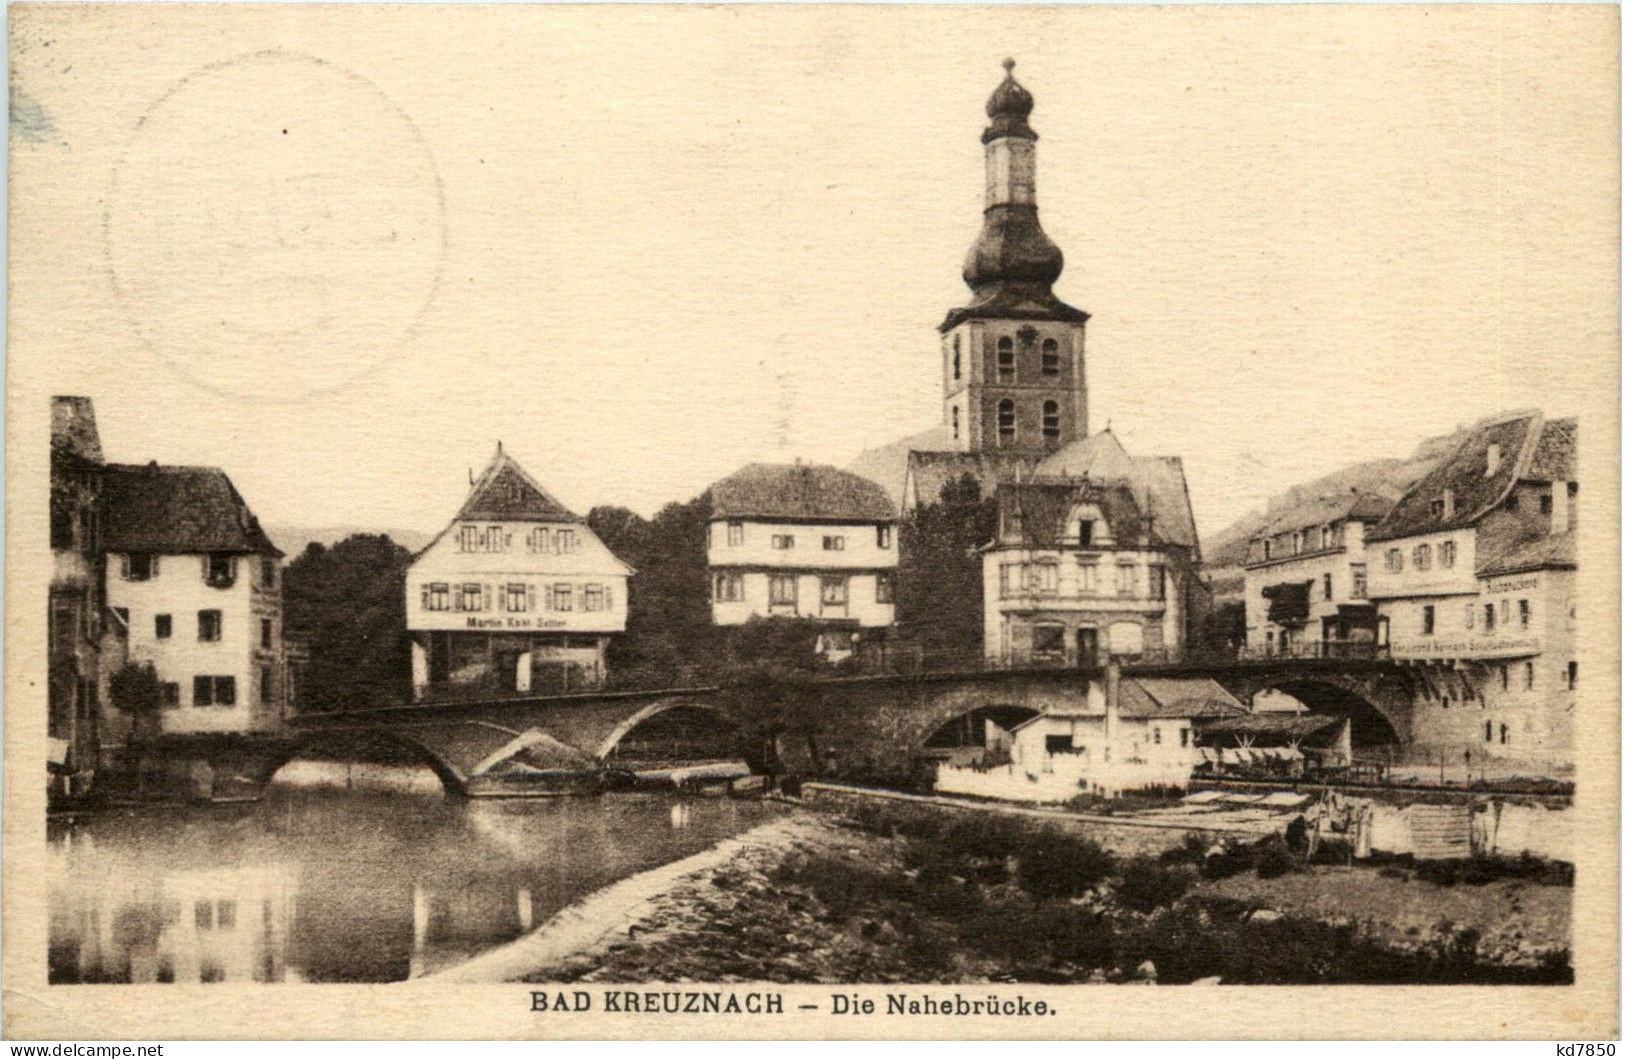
[1506,612]
[956,358]
[1297,542]
[1394,561]
[1574,675]
[140,567]
[1006,579]
[1057,744]
[437,596]
[1007,360]
[1125,579]
[516,597]
[1088,575]
[1086,532]
[834,544]
[1489,617]
[1007,422]
[784,541]
[1489,730]
[1158,582]
[214,691]
[883,536]
[267,685]
[1267,548]
[566,539]
[1447,554]
[1436,508]
[468,539]
[1326,586]
[883,587]
[563,597]
[1052,419]
[781,590]
[1045,577]
[592,597]
[832,591]
[1467,618]
[220,570]
[208,625]
[1052,357]
[955,411]
[1184,737]
[1049,640]
[1523,613]
[1326,539]
[1427,620]
[1156,735]
[1503,735]
[265,633]
[1422,556]
[162,626]
[1529,676]
[268,573]
[1506,677]
[1545,503]
[1357,583]
[736,533]
[472,597]
[169,694]
[728,588]
[539,540]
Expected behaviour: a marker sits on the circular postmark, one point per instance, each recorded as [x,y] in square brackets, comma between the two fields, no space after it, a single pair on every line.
[275,226]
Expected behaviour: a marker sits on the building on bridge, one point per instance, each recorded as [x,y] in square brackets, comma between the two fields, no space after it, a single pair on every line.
[807,541]
[515,594]
[193,587]
[1473,573]
[1307,586]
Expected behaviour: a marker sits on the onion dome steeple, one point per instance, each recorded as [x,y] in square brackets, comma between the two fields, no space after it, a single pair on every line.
[1012,264]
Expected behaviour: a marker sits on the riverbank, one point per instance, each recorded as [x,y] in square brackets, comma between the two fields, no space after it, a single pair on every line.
[877,897]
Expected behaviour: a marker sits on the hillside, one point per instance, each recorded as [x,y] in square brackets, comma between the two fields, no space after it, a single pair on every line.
[293,539]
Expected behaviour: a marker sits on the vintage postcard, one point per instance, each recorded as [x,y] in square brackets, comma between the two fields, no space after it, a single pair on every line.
[812,522]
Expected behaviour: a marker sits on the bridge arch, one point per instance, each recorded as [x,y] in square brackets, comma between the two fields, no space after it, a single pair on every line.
[672,727]
[394,746]
[1379,716]
[969,728]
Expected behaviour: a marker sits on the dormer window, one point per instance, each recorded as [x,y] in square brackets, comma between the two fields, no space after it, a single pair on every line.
[1086,532]
[1492,459]
[140,566]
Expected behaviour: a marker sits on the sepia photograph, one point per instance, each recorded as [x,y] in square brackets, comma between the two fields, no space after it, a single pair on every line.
[566,512]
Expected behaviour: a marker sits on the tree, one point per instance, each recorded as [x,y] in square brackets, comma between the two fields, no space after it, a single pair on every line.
[350,601]
[939,572]
[136,690]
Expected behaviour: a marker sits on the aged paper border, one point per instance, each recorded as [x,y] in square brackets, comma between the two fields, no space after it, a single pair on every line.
[411,1011]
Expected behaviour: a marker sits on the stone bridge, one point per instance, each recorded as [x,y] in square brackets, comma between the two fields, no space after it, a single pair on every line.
[864,726]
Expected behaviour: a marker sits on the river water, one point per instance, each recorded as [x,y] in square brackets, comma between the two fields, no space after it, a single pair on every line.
[344,886]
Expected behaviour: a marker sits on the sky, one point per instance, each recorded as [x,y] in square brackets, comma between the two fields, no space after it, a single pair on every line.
[342,252]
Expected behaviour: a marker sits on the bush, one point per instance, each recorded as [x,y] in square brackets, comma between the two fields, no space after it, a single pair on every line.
[1148,885]
[1272,858]
[1061,866]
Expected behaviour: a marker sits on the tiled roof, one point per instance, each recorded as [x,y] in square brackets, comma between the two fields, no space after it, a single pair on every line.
[505,492]
[1336,507]
[1157,482]
[930,472]
[1150,697]
[177,510]
[1556,453]
[1044,506]
[887,465]
[73,429]
[800,491]
[1293,727]
[1466,474]
[1531,553]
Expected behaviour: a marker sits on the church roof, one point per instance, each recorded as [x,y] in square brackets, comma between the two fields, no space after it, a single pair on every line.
[887,465]
[505,492]
[170,510]
[930,472]
[800,491]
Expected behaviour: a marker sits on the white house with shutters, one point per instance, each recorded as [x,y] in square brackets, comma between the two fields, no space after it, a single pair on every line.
[516,594]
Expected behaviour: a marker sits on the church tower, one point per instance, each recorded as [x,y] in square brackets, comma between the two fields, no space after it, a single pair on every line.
[1013,368]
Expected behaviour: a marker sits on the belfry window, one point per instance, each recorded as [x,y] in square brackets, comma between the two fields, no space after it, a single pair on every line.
[1007,421]
[1052,357]
[956,358]
[956,422]
[1052,419]
[1007,360]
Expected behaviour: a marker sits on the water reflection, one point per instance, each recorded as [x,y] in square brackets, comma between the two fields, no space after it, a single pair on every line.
[333,887]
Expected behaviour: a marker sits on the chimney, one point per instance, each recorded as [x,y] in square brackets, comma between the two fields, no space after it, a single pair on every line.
[1492,459]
